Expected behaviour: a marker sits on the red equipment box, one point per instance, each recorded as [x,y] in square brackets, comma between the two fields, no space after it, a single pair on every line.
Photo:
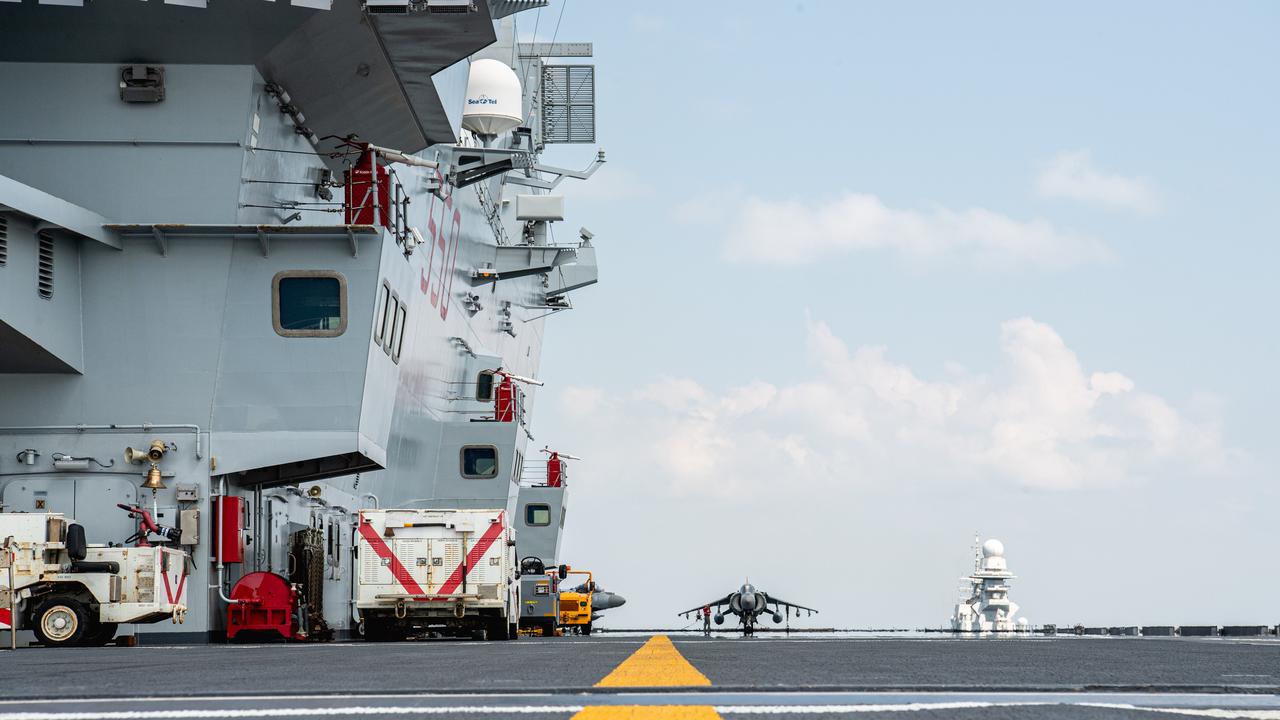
[231,517]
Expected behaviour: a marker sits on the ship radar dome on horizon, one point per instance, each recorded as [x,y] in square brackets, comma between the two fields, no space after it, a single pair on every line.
[992,548]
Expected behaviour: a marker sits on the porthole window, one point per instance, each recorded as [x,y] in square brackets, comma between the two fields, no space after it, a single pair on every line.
[479,461]
[309,303]
[484,386]
[537,514]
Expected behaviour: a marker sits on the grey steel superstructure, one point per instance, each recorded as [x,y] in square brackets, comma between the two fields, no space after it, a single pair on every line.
[148,246]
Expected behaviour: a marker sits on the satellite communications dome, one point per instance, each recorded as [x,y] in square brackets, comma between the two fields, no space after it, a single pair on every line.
[493,104]
[993,548]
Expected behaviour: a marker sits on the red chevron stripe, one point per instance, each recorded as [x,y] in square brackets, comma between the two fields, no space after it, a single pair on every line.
[398,570]
[481,547]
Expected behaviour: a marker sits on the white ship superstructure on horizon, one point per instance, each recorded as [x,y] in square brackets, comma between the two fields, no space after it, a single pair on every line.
[985,605]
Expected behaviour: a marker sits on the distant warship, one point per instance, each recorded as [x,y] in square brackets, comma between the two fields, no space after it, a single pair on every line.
[984,604]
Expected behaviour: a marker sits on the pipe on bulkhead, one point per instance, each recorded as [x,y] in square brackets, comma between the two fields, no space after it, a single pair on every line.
[376,502]
[271,524]
[222,593]
[144,427]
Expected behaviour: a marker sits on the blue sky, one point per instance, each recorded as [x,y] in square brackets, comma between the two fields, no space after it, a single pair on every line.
[933,268]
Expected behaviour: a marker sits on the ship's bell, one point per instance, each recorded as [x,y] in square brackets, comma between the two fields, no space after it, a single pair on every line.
[154,481]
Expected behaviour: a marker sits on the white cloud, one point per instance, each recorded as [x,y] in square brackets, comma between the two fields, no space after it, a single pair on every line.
[856,487]
[796,232]
[1040,421]
[1072,175]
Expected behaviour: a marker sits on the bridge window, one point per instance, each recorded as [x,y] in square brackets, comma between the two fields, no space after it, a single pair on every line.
[484,386]
[309,303]
[384,314]
[396,342]
[537,514]
[479,461]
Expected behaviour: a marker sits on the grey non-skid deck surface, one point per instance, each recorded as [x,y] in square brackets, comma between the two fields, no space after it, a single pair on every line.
[1039,663]
[831,677]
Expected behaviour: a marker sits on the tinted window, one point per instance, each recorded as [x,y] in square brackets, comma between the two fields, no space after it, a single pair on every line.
[484,386]
[402,312]
[537,514]
[380,322]
[310,304]
[479,462]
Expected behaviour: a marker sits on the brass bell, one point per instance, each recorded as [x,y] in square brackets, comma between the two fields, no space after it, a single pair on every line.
[154,481]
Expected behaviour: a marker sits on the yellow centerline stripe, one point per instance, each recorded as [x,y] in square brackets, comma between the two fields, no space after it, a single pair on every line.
[656,664]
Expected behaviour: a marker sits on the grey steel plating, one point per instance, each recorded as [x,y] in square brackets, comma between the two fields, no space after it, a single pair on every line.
[177,265]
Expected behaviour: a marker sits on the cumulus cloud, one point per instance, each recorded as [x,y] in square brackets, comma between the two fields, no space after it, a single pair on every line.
[799,232]
[1039,421]
[1072,175]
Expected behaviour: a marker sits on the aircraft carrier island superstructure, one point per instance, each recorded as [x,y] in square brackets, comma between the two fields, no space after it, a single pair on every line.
[294,259]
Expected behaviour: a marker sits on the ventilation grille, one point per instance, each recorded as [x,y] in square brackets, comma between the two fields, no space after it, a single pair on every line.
[4,240]
[569,103]
[44,281]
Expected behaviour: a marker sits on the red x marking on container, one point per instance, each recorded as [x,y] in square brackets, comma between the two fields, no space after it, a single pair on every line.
[398,570]
[481,547]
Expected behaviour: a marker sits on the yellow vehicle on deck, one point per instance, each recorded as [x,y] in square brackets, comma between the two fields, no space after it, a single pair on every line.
[575,604]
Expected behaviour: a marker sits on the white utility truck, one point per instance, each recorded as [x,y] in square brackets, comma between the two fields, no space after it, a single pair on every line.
[71,593]
[451,572]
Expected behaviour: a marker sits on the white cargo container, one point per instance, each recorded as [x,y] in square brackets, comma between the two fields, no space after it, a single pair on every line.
[72,593]
[447,571]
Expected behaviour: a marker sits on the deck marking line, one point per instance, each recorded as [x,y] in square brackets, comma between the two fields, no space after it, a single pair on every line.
[847,709]
[1196,712]
[647,712]
[606,712]
[656,664]
[291,712]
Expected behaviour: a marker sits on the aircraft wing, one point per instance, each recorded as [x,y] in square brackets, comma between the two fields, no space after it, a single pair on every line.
[714,603]
[779,601]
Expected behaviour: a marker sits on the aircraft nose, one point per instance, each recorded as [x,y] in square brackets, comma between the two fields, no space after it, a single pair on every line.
[607,600]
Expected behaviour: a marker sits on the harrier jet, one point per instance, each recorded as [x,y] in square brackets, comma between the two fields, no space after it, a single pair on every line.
[748,604]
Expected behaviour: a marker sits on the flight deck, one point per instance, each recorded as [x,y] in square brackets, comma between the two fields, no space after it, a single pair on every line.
[654,676]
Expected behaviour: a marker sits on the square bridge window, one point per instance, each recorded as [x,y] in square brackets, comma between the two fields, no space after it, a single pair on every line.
[309,303]
[484,386]
[479,461]
[537,514]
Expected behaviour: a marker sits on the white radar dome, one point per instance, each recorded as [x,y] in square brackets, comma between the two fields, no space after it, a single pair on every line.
[993,548]
[493,104]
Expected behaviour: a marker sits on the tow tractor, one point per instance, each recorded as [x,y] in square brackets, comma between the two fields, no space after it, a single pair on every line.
[72,593]
[575,604]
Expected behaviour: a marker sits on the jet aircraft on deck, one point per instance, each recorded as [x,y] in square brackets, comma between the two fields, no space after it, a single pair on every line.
[748,604]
